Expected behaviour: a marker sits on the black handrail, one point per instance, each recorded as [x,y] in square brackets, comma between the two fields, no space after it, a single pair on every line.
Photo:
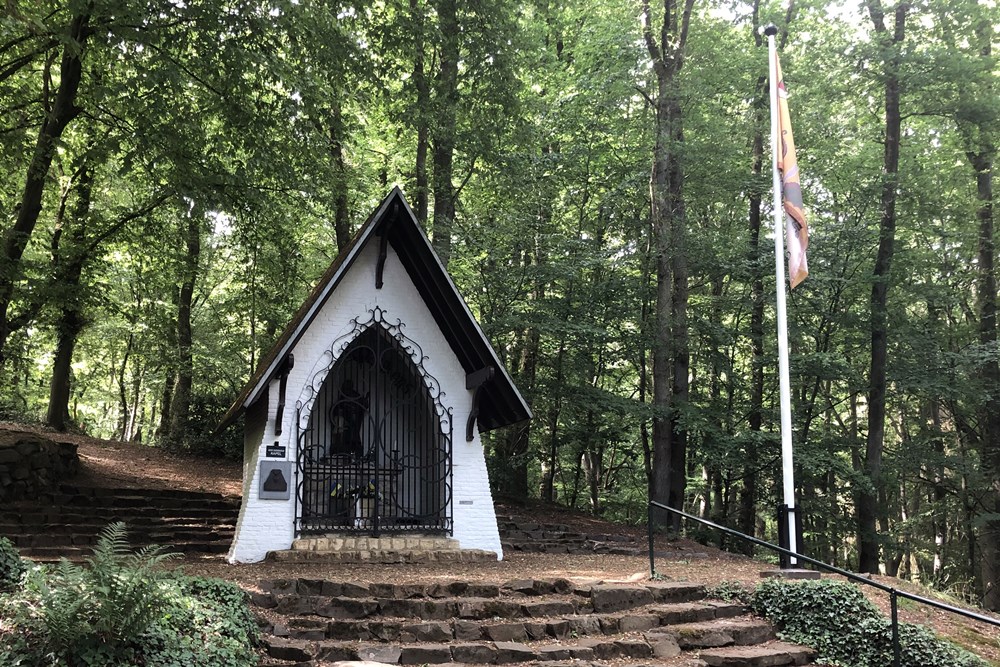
[894,593]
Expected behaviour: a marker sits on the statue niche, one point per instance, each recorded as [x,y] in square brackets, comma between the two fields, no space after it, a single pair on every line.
[347,417]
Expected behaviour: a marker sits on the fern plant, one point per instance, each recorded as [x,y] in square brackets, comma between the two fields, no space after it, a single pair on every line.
[100,609]
[125,585]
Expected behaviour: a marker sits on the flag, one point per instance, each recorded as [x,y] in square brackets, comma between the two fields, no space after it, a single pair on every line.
[796,231]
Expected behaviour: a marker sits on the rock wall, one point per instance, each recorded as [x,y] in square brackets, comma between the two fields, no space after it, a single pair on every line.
[31,464]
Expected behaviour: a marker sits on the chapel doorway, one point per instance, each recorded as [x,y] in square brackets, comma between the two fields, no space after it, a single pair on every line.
[376,455]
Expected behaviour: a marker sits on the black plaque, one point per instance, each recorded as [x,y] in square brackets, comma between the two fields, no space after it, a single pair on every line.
[275,451]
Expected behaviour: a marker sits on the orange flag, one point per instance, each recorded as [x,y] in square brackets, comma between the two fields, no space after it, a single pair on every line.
[796,231]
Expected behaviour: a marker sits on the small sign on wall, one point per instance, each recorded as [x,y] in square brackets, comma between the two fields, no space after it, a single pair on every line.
[275,480]
[275,451]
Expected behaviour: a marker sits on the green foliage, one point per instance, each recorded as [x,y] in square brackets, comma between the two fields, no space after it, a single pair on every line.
[730,591]
[12,566]
[837,620]
[124,609]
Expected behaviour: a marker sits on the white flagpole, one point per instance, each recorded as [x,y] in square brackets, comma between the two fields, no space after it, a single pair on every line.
[788,481]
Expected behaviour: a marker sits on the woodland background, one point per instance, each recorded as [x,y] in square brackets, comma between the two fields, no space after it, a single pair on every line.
[595,173]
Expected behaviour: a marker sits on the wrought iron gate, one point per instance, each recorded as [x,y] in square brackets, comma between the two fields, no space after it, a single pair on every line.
[376,454]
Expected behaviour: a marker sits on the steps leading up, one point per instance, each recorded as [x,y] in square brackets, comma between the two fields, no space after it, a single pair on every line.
[335,548]
[313,622]
[67,522]
[518,534]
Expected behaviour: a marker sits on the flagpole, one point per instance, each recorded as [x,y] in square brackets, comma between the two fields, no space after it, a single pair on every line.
[788,480]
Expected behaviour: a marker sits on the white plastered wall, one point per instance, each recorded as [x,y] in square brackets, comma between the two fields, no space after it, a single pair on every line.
[268,525]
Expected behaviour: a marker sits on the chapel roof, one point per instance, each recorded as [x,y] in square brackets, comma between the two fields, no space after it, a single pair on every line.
[500,403]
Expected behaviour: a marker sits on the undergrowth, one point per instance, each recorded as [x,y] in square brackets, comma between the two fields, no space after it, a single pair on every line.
[122,608]
[846,629]
[12,566]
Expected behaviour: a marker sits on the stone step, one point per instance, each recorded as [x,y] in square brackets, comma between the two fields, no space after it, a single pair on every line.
[164,537]
[469,653]
[426,609]
[135,523]
[555,535]
[725,632]
[528,625]
[461,599]
[351,589]
[133,499]
[772,654]
[365,543]
[600,598]
[71,489]
[77,552]
[383,556]
[34,515]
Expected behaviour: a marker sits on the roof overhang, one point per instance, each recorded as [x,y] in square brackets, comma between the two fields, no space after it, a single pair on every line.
[500,403]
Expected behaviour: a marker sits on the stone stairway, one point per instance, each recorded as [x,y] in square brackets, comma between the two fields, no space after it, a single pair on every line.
[527,536]
[67,522]
[541,623]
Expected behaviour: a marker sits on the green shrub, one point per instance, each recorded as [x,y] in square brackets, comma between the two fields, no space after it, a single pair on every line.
[12,566]
[123,609]
[846,629]
[730,591]
[209,625]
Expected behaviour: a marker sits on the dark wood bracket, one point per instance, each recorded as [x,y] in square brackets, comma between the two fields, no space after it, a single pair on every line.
[383,248]
[279,412]
[476,380]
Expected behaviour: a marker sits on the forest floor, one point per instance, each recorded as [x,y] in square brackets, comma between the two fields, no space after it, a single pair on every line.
[115,464]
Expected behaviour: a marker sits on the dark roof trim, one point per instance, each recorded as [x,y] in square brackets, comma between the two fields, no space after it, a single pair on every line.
[501,403]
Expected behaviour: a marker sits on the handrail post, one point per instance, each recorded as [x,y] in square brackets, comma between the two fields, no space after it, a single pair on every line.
[894,608]
[649,530]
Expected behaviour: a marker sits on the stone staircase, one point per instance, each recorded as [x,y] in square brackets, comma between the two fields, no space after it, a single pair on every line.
[67,522]
[537,623]
[518,534]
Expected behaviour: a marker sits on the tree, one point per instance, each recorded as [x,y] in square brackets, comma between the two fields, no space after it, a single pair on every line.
[869,506]
[670,353]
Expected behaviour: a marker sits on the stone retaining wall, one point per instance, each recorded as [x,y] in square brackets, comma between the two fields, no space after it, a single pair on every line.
[31,464]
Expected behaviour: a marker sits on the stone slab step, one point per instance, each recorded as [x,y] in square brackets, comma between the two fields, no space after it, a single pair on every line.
[134,499]
[44,539]
[72,552]
[773,654]
[725,632]
[383,556]
[470,653]
[365,543]
[316,617]
[34,515]
[72,489]
[353,589]
[97,524]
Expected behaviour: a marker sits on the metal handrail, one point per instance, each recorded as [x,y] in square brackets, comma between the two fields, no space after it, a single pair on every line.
[894,593]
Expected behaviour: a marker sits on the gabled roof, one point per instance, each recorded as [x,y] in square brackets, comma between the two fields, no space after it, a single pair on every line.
[500,403]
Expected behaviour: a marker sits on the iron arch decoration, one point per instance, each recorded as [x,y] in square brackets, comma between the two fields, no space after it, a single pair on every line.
[374,438]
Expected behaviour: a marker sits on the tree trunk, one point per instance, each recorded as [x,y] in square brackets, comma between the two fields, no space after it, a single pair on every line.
[755,418]
[868,508]
[422,114]
[180,404]
[341,208]
[670,354]
[62,112]
[446,108]
[69,267]
[990,374]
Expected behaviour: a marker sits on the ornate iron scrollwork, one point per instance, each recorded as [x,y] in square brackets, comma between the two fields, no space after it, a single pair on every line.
[375,438]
